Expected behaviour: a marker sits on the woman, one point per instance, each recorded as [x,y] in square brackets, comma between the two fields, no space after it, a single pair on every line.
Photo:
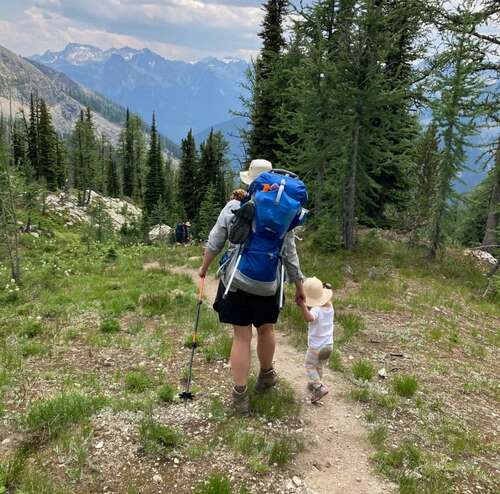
[244,307]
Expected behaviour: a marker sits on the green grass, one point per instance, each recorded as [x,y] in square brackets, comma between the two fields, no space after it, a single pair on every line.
[281,452]
[138,381]
[49,417]
[405,385]
[276,404]
[156,438]
[109,326]
[335,362]
[219,348]
[215,484]
[363,370]
[361,394]
[215,410]
[261,449]
[378,436]
[166,393]
[34,348]
[34,482]
[351,324]
[31,329]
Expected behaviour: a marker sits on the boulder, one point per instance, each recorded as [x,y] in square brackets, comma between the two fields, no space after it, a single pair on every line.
[481,255]
[160,232]
[119,210]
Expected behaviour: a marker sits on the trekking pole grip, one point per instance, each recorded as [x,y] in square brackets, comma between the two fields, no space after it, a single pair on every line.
[201,288]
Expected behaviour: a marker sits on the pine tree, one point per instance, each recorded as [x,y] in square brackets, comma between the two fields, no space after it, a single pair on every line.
[455,113]
[155,179]
[9,229]
[33,139]
[212,168]
[112,179]
[263,139]
[83,156]
[209,211]
[60,170]
[188,174]
[128,163]
[19,145]
[132,157]
[47,149]
[491,237]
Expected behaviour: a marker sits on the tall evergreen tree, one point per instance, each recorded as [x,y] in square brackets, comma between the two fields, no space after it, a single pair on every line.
[132,157]
[128,162]
[9,228]
[112,179]
[33,139]
[19,145]
[48,165]
[155,179]
[209,211]
[455,113]
[188,174]
[263,138]
[83,156]
[491,238]
[212,167]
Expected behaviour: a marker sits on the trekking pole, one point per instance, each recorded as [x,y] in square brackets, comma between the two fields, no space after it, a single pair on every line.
[186,394]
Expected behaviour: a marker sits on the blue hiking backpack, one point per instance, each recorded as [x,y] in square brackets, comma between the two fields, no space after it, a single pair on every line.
[279,198]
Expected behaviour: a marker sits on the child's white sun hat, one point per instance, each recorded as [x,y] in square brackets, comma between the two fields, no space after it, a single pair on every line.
[254,170]
[316,294]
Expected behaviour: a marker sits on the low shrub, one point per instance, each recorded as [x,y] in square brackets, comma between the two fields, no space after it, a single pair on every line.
[363,370]
[109,326]
[137,381]
[405,385]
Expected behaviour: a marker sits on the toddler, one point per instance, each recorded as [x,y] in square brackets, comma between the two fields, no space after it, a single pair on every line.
[318,311]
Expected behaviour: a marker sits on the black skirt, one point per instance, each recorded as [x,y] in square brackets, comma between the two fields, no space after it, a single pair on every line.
[244,309]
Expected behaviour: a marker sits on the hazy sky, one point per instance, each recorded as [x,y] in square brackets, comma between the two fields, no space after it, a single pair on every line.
[180,29]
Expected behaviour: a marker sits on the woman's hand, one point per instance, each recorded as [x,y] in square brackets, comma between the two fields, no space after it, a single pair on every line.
[207,260]
[300,296]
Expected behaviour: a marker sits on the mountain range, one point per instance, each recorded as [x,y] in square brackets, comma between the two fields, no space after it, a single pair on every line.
[184,95]
[64,97]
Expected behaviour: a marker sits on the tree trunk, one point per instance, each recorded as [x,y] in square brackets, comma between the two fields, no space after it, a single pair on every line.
[493,219]
[350,208]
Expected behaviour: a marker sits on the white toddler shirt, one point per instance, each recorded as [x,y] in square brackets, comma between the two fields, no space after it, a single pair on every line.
[321,329]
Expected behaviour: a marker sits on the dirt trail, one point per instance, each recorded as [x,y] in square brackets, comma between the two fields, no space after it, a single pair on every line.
[336,457]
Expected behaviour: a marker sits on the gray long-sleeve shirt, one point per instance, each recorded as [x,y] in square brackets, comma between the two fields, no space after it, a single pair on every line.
[217,240]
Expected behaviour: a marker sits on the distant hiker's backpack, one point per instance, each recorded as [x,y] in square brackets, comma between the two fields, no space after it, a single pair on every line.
[278,198]
[180,233]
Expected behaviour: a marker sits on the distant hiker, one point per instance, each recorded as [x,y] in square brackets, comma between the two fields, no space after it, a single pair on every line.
[318,311]
[252,274]
[181,233]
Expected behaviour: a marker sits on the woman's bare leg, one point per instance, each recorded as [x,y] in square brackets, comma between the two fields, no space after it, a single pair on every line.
[240,354]
[266,343]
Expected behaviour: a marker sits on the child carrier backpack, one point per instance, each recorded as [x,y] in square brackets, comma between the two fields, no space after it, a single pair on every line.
[278,198]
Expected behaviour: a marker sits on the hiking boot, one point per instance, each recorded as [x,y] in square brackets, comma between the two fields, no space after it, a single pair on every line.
[318,393]
[241,402]
[266,380]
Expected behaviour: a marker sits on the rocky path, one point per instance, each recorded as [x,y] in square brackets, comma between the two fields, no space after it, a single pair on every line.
[336,455]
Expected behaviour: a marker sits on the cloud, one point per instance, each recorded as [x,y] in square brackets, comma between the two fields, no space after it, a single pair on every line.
[182,29]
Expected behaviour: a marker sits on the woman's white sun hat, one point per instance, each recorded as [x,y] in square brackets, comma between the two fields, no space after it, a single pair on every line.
[316,294]
[254,170]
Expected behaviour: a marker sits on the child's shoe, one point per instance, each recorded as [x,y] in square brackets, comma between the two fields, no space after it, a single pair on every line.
[318,393]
